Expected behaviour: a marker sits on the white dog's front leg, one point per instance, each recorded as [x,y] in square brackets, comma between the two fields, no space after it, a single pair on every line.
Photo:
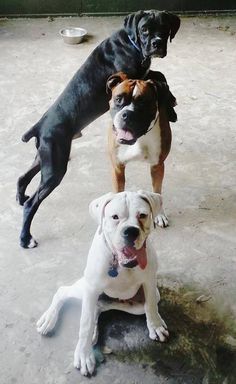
[84,357]
[156,325]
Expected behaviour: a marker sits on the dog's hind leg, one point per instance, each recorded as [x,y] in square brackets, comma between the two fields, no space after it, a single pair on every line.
[157,174]
[54,158]
[48,320]
[25,179]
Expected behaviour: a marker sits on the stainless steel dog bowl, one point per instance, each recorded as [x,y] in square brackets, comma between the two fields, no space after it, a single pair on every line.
[72,35]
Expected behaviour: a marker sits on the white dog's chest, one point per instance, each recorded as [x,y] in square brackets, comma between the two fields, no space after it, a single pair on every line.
[125,285]
[147,148]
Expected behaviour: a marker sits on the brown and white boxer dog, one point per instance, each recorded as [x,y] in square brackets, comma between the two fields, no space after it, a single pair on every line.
[140,130]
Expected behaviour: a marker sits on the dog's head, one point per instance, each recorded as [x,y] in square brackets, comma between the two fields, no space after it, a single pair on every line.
[150,30]
[134,106]
[126,219]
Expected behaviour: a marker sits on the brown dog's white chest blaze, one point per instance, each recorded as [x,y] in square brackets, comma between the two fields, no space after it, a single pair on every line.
[140,129]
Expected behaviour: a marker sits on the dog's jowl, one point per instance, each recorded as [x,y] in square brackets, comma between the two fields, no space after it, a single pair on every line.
[120,245]
[144,35]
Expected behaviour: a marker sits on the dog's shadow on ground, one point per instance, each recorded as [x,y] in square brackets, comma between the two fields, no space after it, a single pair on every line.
[201,347]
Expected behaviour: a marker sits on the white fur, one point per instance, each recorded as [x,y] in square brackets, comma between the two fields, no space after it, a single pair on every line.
[147,148]
[127,205]
[118,120]
[135,91]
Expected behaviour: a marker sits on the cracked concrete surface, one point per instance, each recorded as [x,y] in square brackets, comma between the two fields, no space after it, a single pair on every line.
[199,247]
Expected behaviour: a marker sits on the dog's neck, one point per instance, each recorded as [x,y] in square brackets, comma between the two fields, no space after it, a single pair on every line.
[109,246]
[146,61]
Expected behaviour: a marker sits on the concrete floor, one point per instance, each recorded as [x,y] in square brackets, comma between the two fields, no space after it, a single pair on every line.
[197,251]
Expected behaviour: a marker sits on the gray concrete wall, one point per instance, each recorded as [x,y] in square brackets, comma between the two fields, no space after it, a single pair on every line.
[94,7]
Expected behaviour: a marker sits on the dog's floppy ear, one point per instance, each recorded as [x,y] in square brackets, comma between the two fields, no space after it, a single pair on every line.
[131,25]
[174,24]
[114,80]
[97,208]
[162,90]
[165,98]
[154,200]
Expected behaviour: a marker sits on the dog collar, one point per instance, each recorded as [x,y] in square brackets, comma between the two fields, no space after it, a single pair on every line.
[113,265]
[146,60]
[133,43]
[113,268]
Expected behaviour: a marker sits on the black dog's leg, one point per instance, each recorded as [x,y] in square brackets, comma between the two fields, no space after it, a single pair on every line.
[25,179]
[54,158]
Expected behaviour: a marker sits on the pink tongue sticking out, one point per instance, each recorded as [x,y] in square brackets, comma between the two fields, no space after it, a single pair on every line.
[124,135]
[141,257]
[140,254]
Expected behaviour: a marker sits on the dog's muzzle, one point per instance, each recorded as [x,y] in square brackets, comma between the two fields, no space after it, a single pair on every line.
[157,48]
[131,126]
[125,136]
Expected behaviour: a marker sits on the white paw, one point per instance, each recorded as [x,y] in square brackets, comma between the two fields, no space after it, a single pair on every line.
[159,333]
[47,322]
[84,361]
[161,220]
[32,243]
[158,330]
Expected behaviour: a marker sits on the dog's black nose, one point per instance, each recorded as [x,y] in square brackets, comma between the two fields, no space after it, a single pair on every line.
[131,233]
[156,43]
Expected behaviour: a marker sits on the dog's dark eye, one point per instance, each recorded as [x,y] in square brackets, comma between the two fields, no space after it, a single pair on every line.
[144,29]
[115,217]
[119,99]
[143,216]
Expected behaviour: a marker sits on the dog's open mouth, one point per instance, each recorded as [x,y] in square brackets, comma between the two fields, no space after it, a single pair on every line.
[125,136]
[130,257]
[161,54]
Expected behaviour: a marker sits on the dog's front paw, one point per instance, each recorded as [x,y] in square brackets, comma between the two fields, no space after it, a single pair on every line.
[28,242]
[161,220]
[158,333]
[47,322]
[158,330]
[84,360]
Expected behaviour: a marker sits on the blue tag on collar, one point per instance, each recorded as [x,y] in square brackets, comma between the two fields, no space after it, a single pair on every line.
[112,271]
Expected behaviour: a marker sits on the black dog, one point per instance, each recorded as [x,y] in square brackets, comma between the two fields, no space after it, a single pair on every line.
[145,34]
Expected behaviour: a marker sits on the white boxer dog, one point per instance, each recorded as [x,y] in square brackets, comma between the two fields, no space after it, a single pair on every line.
[121,264]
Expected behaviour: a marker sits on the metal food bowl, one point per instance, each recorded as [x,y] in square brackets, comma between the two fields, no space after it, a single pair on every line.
[72,35]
